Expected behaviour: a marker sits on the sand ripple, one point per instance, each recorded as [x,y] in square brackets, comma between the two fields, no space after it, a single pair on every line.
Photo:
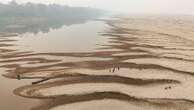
[147,63]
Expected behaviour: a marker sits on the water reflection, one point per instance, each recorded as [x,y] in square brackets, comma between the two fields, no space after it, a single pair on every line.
[36,18]
[145,63]
[65,39]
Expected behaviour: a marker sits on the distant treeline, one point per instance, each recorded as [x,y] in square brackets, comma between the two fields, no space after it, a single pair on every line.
[41,10]
[42,16]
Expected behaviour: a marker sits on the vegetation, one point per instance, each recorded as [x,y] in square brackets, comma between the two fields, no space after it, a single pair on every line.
[32,16]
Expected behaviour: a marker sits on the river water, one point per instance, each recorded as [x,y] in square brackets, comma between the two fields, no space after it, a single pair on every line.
[136,62]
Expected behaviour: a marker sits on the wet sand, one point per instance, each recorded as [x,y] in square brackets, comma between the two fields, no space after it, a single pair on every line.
[10,101]
[146,62]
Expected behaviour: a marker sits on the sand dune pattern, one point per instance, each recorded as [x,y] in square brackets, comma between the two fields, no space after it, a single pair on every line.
[148,63]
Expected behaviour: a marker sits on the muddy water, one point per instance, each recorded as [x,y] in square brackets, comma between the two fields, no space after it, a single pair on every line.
[136,62]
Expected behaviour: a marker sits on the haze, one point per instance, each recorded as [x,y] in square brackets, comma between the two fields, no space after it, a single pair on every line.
[129,6]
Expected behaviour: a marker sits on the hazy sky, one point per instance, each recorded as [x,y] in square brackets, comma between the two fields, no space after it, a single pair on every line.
[132,6]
